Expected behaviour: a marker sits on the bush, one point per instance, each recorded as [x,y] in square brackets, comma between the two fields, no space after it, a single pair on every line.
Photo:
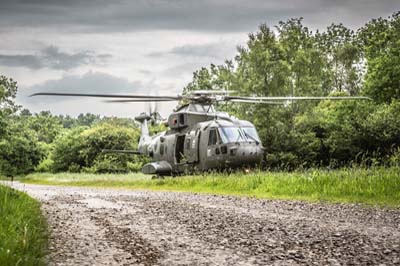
[46,165]
[107,164]
[341,133]
[134,167]
[394,160]
[80,149]
[66,151]
[19,154]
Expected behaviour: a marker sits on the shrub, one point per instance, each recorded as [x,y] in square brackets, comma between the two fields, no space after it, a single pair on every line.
[46,165]
[81,149]
[19,154]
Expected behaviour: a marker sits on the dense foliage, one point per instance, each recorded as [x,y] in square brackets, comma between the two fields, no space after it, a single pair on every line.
[289,60]
[46,143]
[293,61]
[19,149]
[81,149]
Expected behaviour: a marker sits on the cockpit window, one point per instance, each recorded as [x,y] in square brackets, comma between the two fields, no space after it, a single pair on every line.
[251,133]
[230,134]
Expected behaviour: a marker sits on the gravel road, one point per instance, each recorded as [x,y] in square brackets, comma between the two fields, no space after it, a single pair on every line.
[122,227]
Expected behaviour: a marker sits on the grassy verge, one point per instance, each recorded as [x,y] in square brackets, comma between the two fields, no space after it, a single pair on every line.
[23,235]
[379,186]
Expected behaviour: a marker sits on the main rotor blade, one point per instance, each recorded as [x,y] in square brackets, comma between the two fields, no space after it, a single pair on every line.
[256,101]
[296,98]
[139,101]
[209,92]
[146,97]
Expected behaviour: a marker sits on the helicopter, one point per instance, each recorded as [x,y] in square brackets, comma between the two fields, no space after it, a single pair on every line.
[199,138]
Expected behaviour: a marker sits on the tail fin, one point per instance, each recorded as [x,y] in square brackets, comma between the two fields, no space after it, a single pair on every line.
[144,136]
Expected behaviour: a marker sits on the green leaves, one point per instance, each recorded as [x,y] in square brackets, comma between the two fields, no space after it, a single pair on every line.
[80,149]
[381,44]
[8,92]
[20,151]
[19,154]
[292,60]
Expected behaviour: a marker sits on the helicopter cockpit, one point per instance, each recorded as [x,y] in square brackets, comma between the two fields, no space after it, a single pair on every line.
[225,140]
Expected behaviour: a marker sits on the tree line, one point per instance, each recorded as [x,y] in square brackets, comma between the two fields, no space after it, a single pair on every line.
[44,142]
[291,60]
[286,60]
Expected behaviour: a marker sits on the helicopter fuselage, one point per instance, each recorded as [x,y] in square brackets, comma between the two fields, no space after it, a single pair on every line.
[201,141]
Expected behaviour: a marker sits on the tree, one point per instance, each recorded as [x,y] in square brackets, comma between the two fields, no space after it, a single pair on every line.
[87,119]
[8,91]
[19,152]
[45,125]
[343,55]
[381,42]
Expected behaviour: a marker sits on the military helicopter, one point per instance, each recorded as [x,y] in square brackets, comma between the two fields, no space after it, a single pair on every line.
[199,138]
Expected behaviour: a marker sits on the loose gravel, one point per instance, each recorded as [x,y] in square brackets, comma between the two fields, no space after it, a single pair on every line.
[127,227]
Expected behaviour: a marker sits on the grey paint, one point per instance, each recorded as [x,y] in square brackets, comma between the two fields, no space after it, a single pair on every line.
[195,128]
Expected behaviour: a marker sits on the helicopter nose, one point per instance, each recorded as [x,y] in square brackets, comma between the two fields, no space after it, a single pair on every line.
[245,153]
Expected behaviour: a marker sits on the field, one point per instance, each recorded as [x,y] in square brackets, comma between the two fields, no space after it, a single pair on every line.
[375,186]
[23,233]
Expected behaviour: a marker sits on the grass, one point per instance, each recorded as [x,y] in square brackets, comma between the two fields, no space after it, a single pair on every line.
[23,230]
[376,186]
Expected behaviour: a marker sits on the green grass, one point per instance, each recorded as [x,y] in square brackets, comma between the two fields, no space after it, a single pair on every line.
[377,186]
[23,230]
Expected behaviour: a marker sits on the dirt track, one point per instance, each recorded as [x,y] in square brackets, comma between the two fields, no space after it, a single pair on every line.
[120,227]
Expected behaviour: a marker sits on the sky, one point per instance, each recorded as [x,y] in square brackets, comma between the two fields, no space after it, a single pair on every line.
[141,46]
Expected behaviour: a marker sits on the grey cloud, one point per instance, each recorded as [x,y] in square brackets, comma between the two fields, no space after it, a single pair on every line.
[208,15]
[29,61]
[209,50]
[215,50]
[52,57]
[145,71]
[91,82]
[184,69]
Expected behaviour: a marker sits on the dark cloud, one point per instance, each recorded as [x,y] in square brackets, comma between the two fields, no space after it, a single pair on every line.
[208,15]
[52,57]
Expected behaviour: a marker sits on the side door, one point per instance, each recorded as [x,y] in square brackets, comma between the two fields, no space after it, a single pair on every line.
[180,149]
[213,152]
[192,146]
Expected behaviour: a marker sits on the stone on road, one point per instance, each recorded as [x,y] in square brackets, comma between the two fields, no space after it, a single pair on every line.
[127,227]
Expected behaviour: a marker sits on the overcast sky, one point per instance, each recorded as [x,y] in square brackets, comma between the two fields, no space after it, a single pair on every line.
[141,46]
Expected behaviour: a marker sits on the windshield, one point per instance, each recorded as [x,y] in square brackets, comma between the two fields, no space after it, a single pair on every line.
[230,134]
[251,133]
